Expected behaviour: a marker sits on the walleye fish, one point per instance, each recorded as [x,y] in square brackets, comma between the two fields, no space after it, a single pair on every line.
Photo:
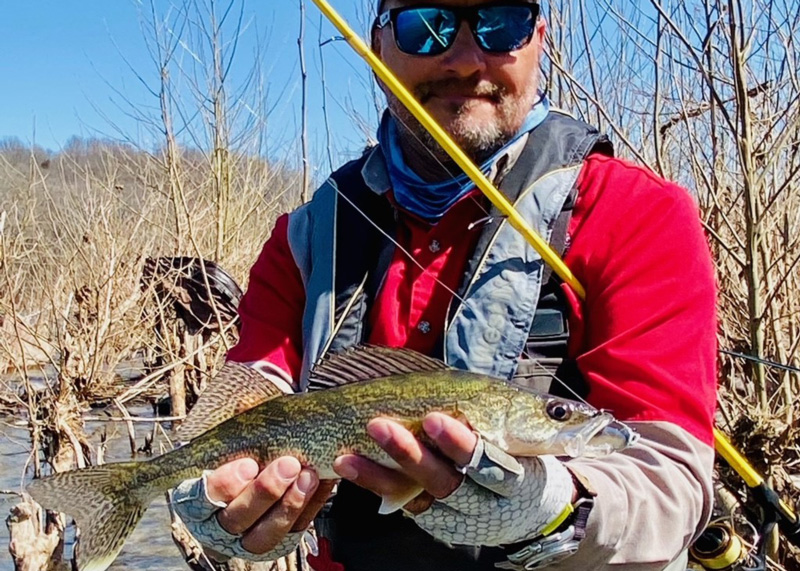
[108,501]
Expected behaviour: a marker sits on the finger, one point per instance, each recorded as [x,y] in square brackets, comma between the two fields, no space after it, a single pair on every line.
[273,527]
[228,481]
[374,477]
[397,440]
[259,495]
[452,437]
[315,504]
[419,504]
[437,476]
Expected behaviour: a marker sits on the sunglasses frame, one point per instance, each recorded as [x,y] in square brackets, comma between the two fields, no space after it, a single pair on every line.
[462,13]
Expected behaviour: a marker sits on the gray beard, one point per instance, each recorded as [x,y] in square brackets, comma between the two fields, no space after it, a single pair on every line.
[479,143]
[478,146]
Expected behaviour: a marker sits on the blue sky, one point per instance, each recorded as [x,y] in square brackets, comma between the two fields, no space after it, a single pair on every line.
[70,68]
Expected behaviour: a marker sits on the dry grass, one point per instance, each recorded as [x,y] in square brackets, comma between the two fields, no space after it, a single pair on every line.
[78,227]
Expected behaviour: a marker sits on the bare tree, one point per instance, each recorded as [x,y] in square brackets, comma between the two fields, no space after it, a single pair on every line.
[707,93]
[81,224]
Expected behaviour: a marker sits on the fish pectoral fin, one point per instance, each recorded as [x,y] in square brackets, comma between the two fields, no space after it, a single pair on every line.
[392,503]
[413,425]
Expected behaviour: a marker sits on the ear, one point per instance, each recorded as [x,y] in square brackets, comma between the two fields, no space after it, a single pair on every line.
[376,45]
[539,37]
[376,37]
[540,32]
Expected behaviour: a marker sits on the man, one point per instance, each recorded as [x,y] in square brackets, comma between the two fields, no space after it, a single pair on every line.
[397,249]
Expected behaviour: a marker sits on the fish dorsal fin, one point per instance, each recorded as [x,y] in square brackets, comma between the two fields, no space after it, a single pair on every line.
[235,389]
[366,362]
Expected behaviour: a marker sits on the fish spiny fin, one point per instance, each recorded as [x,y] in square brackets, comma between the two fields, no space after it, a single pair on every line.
[367,362]
[105,503]
[235,389]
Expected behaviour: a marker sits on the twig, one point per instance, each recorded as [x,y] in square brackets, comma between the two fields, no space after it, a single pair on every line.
[129,424]
[129,419]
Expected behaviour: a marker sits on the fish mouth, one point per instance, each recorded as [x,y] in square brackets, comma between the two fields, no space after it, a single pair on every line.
[601,436]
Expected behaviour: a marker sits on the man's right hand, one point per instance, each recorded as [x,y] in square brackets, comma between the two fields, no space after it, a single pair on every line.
[262,508]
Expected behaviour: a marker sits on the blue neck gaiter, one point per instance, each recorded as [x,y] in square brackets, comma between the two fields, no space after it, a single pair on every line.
[430,200]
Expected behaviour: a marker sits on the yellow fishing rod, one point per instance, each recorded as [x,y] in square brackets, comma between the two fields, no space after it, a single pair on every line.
[775,508]
[550,256]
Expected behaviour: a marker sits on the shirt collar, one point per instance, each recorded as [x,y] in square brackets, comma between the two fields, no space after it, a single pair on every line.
[376,174]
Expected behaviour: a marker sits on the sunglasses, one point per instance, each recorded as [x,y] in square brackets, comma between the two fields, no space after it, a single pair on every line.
[429,30]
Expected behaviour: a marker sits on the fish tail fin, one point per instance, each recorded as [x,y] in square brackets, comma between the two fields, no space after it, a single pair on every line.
[106,502]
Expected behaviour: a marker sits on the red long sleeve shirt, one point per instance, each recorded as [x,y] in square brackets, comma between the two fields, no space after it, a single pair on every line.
[644,337]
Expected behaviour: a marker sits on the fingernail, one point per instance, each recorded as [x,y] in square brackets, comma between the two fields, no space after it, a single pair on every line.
[288,469]
[247,470]
[345,470]
[305,482]
[379,432]
[432,425]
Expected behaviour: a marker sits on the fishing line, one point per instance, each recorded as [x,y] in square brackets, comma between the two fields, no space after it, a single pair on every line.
[393,241]
[556,378]
[755,359]
[439,282]
[425,146]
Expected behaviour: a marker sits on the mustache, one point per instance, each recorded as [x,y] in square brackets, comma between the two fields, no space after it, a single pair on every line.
[477,88]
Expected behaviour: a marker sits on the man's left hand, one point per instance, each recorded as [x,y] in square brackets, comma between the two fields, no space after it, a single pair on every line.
[420,466]
[490,506]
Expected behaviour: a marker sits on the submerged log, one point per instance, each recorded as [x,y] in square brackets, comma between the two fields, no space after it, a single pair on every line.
[35,546]
[36,536]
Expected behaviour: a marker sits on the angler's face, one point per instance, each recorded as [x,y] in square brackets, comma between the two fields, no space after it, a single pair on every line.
[481,98]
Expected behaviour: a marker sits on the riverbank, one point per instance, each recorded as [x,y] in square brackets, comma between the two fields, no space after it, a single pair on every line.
[150,546]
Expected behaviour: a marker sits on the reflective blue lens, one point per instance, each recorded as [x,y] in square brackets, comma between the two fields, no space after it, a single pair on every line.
[425,31]
[431,30]
[504,28]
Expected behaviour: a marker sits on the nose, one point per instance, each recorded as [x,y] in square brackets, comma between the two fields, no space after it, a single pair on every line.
[465,57]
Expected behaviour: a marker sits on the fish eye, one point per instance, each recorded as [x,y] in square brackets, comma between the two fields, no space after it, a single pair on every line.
[559,411]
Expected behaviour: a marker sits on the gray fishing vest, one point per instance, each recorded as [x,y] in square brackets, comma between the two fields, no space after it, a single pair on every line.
[508,305]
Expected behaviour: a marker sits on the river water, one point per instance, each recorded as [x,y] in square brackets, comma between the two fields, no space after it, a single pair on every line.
[150,546]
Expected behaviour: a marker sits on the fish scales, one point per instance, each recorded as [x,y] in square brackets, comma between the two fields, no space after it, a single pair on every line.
[317,427]
[108,501]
